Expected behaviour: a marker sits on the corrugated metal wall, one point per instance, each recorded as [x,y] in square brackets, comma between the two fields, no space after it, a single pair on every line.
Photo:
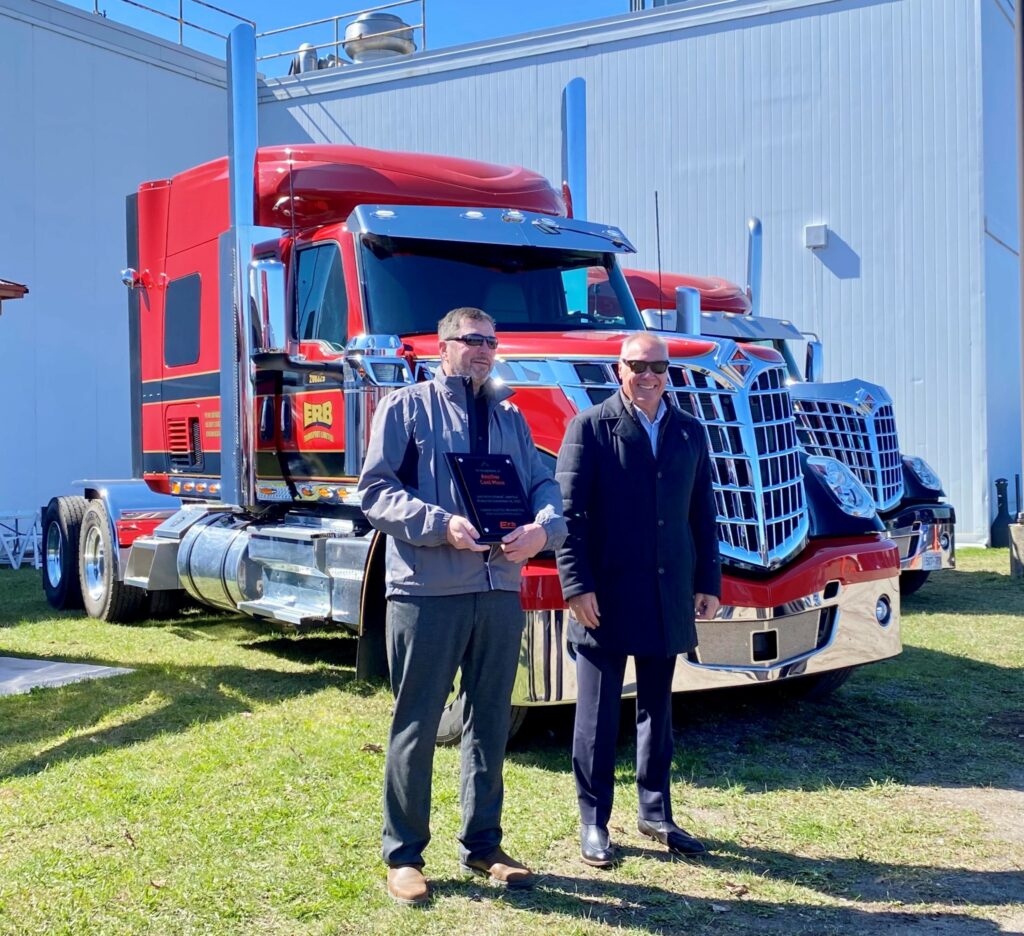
[861,114]
[1001,245]
[90,109]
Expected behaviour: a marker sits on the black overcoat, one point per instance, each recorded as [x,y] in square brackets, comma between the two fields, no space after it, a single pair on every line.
[642,530]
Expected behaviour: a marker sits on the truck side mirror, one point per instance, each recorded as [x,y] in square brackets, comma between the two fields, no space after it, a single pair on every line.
[268,305]
[375,365]
[814,369]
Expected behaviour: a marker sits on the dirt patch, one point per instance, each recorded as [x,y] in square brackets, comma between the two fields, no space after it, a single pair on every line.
[1002,809]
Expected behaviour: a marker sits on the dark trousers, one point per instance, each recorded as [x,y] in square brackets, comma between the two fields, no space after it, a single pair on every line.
[428,640]
[599,676]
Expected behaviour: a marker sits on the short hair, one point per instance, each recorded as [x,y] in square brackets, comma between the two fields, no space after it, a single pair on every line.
[448,327]
[644,337]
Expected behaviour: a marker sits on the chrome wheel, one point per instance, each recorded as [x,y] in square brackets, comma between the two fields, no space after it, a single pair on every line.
[94,563]
[54,555]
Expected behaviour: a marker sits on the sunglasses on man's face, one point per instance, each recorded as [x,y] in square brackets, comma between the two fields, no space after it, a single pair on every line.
[477,341]
[640,367]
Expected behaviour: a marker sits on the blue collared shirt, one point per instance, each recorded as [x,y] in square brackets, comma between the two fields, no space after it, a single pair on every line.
[650,426]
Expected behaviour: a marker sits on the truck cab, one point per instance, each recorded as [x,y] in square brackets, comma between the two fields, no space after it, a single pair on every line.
[852,421]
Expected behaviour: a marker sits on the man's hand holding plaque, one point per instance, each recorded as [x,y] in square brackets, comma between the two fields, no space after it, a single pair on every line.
[524,542]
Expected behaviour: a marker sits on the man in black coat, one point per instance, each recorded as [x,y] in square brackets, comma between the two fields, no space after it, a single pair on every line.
[640,561]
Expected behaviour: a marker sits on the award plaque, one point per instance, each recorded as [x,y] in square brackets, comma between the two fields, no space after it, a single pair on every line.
[492,492]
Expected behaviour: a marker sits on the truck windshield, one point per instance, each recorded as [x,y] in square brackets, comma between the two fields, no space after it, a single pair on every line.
[411,284]
[788,354]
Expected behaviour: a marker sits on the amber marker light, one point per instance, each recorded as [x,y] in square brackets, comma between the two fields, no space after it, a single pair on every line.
[325,492]
[201,487]
[189,486]
[175,487]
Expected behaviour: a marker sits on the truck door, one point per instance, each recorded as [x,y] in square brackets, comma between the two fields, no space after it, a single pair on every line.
[300,435]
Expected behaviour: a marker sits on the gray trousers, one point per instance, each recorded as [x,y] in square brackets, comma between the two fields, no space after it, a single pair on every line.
[429,638]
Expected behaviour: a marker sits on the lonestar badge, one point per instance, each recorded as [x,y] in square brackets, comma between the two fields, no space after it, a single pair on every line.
[318,421]
[865,402]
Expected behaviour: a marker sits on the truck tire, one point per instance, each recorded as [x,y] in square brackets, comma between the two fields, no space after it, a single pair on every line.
[165,604]
[62,524]
[103,595]
[912,581]
[819,686]
[449,730]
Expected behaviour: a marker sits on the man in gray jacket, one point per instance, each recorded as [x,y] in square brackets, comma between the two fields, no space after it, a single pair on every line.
[452,602]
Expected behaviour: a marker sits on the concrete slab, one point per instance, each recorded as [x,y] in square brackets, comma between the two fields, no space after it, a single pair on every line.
[21,675]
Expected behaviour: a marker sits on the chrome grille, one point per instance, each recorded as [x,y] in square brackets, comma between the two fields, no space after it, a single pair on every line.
[755,462]
[862,438]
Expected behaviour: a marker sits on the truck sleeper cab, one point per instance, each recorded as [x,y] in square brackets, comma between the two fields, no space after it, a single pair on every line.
[359,289]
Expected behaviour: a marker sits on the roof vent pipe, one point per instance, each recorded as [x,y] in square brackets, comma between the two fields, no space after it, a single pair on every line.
[754,265]
[375,36]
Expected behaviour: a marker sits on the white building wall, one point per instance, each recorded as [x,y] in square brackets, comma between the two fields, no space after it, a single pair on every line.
[1001,244]
[862,114]
[90,109]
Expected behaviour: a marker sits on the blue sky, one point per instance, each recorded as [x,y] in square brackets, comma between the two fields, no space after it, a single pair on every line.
[449,22]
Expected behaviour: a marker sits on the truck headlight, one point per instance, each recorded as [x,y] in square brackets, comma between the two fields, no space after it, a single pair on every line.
[851,496]
[923,472]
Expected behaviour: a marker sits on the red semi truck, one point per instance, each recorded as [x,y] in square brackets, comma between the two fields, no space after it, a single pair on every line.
[279,294]
[852,421]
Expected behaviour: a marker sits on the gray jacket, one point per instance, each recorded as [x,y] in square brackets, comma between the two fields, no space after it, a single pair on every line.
[408,491]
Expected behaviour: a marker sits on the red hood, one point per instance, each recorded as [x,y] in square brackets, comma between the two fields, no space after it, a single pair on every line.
[716,294]
[598,344]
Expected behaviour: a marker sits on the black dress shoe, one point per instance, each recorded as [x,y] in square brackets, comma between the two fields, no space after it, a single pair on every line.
[678,841]
[596,848]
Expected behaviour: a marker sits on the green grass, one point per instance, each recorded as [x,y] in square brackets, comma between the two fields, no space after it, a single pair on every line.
[231,785]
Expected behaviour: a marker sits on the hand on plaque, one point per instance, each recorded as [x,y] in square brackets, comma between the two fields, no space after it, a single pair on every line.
[524,542]
[463,535]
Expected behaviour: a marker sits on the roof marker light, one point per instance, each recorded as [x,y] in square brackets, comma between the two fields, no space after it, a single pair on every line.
[383,213]
[473,215]
[513,215]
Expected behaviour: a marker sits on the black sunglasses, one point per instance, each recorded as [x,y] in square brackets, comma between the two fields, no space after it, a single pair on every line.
[640,367]
[476,341]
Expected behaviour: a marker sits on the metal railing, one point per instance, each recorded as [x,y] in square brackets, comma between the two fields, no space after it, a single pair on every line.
[338,40]
[186,18]
[180,19]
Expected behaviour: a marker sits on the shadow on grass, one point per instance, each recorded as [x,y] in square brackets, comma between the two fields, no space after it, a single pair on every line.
[600,900]
[866,880]
[177,697]
[925,717]
[956,591]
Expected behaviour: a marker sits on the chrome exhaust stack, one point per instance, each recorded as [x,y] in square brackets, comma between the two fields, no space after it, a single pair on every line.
[688,310]
[754,265]
[239,282]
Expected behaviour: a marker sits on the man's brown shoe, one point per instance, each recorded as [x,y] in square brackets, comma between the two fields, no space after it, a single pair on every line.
[501,870]
[407,885]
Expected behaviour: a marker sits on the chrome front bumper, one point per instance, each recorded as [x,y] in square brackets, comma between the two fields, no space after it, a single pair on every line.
[740,647]
[926,538]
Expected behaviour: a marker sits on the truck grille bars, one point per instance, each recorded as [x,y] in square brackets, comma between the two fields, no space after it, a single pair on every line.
[755,461]
[853,423]
[745,407]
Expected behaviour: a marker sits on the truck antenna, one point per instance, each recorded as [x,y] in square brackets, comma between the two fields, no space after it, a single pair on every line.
[657,243]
